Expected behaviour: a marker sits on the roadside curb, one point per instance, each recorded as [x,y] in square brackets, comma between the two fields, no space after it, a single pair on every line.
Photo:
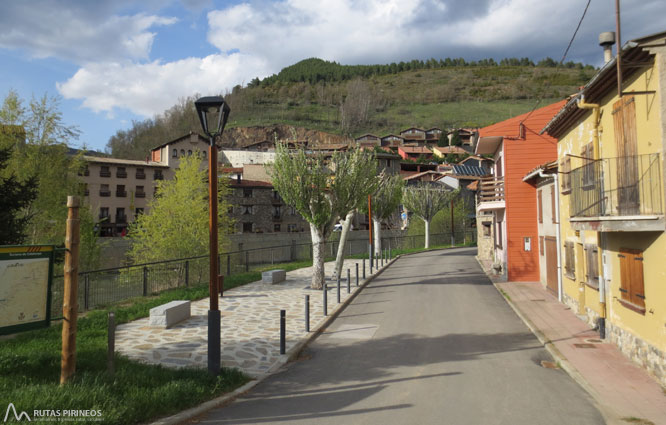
[293,353]
[609,414]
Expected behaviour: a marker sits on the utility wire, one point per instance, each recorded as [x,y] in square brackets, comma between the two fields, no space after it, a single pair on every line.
[559,65]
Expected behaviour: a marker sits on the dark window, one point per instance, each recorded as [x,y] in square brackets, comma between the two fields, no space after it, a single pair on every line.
[157,175]
[120,215]
[276,227]
[103,213]
[291,228]
[140,173]
[189,152]
[175,153]
[486,228]
[138,212]
[247,209]
[182,152]
[247,193]
[247,227]
[121,172]
[277,211]
[139,192]
[569,260]
[120,191]
[104,190]
[104,171]
[592,261]
[566,176]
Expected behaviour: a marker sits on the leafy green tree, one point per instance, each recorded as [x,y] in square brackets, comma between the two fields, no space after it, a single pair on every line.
[14,198]
[425,200]
[41,153]
[176,225]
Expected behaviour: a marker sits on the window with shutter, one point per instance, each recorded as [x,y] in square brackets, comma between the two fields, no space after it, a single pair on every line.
[632,287]
[569,260]
[540,205]
[592,261]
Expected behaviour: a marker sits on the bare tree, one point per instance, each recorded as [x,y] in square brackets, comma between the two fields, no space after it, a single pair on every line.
[320,190]
[425,200]
[385,202]
[355,109]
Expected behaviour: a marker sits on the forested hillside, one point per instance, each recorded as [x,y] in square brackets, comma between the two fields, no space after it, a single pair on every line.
[380,99]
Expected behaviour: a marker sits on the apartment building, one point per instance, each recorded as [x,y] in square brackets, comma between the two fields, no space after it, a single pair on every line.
[118,190]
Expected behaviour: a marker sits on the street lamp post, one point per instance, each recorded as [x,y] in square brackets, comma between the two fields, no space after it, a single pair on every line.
[209,108]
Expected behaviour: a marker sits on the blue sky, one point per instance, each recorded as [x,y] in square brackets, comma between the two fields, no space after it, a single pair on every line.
[114,61]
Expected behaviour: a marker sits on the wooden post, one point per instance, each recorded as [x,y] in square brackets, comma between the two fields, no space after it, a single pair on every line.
[111,338]
[70,306]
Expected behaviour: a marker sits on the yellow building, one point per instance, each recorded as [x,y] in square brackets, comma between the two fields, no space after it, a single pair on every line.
[611,158]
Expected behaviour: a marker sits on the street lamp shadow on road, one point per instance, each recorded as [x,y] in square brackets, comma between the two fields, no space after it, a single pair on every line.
[213,113]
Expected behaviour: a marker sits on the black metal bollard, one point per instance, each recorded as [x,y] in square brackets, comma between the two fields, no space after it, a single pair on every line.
[283,321]
[325,299]
[338,289]
[356,274]
[363,268]
[307,313]
[348,281]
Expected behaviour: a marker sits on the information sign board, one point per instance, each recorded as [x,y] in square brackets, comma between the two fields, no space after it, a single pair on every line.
[25,287]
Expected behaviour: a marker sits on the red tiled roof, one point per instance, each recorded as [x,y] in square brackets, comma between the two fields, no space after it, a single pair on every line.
[533,122]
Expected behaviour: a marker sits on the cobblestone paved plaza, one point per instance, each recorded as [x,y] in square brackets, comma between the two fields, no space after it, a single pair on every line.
[250,326]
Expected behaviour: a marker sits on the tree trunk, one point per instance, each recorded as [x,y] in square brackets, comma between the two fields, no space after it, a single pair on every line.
[339,259]
[318,246]
[427,233]
[377,235]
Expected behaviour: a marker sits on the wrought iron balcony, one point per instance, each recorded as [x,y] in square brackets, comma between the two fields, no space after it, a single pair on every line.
[617,189]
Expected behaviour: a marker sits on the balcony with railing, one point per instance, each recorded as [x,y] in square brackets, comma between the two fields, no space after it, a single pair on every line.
[618,194]
[490,195]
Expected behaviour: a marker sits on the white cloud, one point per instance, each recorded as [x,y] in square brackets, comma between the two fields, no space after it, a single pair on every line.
[79,32]
[148,89]
[266,36]
[375,31]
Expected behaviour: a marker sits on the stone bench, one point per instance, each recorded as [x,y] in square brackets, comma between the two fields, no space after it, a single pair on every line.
[167,315]
[273,276]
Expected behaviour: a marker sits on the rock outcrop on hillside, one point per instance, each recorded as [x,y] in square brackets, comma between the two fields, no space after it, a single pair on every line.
[240,137]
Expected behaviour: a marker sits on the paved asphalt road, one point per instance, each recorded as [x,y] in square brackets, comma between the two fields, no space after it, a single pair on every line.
[430,341]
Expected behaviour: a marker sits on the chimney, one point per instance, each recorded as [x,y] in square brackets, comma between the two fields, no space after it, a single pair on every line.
[606,40]
[238,178]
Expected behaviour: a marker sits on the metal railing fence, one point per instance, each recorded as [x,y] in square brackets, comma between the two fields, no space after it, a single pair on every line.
[102,287]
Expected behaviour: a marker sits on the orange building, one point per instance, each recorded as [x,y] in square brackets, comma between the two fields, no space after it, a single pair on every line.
[505,202]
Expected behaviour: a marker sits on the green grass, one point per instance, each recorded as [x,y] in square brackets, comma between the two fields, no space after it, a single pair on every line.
[30,366]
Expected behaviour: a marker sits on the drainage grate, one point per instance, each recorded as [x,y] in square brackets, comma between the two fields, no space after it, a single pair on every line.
[585,346]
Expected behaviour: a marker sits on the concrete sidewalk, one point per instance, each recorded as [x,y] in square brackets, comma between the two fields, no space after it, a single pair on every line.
[624,391]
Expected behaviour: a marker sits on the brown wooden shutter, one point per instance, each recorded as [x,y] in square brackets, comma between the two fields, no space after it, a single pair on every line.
[632,285]
[624,123]
[541,245]
[552,204]
[540,205]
